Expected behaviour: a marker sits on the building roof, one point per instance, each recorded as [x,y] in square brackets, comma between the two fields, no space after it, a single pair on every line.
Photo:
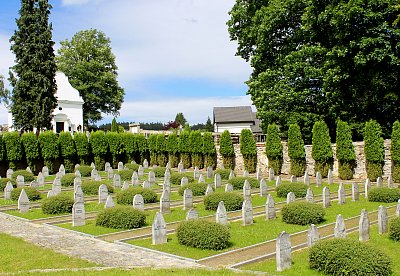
[65,91]
[233,114]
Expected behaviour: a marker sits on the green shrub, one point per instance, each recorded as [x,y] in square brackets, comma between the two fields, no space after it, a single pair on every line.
[196,141]
[249,150]
[85,170]
[58,204]
[82,147]
[348,257]
[384,195]
[68,180]
[2,149]
[28,176]
[302,213]
[4,181]
[90,187]
[299,189]
[116,146]
[32,193]
[49,148]
[321,148]
[374,149]
[345,150]
[126,196]
[126,175]
[238,182]
[130,145]
[395,151]
[296,151]
[274,149]
[394,229]
[132,167]
[121,217]
[172,146]
[161,149]
[152,143]
[231,201]
[226,150]
[143,147]
[224,173]
[13,146]
[175,178]
[198,189]
[67,150]
[185,148]
[159,171]
[31,149]
[99,145]
[209,151]
[203,234]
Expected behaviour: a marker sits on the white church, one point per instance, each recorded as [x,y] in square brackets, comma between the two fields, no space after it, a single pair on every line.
[68,115]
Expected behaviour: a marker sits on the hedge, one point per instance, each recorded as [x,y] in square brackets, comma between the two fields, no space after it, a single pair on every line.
[299,189]
[28,176]
[67,150]
[68,180]
[159,171]
[126,196]
[296,151]
[143,147]
[274,149]
[374,149]
[116,147]
[176,178]
[226,150]
[161,150]
[209,151]
[130,145]
[395,151]
[31,149]
[384,195]
[196,142]
[59,204]
[302,213]
[152,143]
[126,175]
[394,229]
[185,148]
[133,167]
[49,148]
[224,173]
[121,217]
[249,150]
[3,155]
[4,181]
[348,257]
[238,182]
[13,146]
[85,170]
[321,148]
[82,148]
[232,201]
[203,234]
[32,193]
[345,150]
[198,189]
[91,187]
[172,147]
[99,145]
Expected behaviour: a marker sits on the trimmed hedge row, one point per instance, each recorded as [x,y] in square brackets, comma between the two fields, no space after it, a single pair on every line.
[121,217]
[296,151]
[299,189]
[32,193]
[238,182]
[394,229]
[384,195]
[175,178]
[91,187]
[126,197]
[59,204]
[302,213]
[198,189]
[231,201]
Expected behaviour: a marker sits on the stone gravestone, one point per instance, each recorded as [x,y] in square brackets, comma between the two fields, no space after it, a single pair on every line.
[56,186]
[138,202]
[340,227]
[271,174]
[167,174]
[290,197]
[278,181]
[379,182]
[145,164]
[165,202]
[192,215]
[310,196]
[93,165]
[398,209]
[140,171]
[120,166]
[283,252]
[9,173]
[34,184]
[77,166]
[78,214]
[20,181]
[363,226]
[78,173]
[40,179]
[355,192]
[7,190]
[196,173]
[341,194]
[61,170]
[45,171]
[228,188]
[326,197]
[293,179]
[210,172]
[93,174]
[135,179]
[77,182]
[231,175]
[246,173]
[146,185]
[117,181]
[263,187]
[107,166]
[103,193]
[168,165]
[247,190]
[51,193]
[313,235]
[330,177]
[209,189]
[367,187]
[306,179]
[109,202]
[217,181]
[23,202]
[382,220]
[201,179]
[184,181]
[125,185]
[259,174]
[28,169]
[167,187]
[110,173]
[187,199]
[180,167]
[247,212]
[390,181]
[152,178]
[318,179]
[78,195]
[159,230]
[221,217]
[270,211]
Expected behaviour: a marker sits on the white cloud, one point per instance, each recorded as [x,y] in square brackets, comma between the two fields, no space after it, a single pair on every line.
[76,2]
[7,58]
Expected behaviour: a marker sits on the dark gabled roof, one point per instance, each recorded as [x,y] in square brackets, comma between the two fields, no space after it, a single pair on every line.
[233,114]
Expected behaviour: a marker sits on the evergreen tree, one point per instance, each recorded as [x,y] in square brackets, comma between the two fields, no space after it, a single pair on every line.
[209,126]
[185,148]
[274,149]
[180,119]
[248,149]
[226,150]
[374,149]
[114,126]
[322,148]
[173,150]
[196,143]
[345,150]
[395,151]
[33,75]
[296,151]
[209,151]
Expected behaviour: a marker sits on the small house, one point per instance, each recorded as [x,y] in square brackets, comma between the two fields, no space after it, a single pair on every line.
[234,119]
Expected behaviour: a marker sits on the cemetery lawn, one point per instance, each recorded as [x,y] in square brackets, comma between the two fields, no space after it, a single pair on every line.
[89,228]
[300,258]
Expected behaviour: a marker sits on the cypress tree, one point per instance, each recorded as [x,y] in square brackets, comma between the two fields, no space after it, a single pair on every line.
[395,151]
[142,146]
[114,126]
[345,150]
[31,149]
[210,153]
[116,146]
[249,150]
[67,150]
[296,151]
[226,150]
[152,144]
[196,142]
[82,148]
[185,148]
[321,148]
[173,150]
[130,145]
[33,75]
[273,149]
[161,149]
[374,149]
[99,146]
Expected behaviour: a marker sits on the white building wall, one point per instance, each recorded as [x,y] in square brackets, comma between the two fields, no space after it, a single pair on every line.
[232,128]
[71,114]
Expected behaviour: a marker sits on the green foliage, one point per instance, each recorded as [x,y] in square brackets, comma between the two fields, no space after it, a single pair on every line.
[231,201]
[395,151]
[32,193]
[299,189]
[82,147]
[175,178]
[13,146]
[249,150]
[132,167]
[31,148]
[28,176]
[185,148]
[180,119]
[99,145]
[394,229]
[85,170]
[48,142]
[196,142]
[348,257]
[89,64]
[121,217]
[274,149]
[130,145]
[296,151]
[345,150]
[302,213]
[198,189]
[142,145]
[67,150]
[59,204]
[126,196]
[384,195]
[159,171]
[203,234]
[68,180]
[321,148]
[172,146]
[3,183]
[209,126]
[161,149]
[91,187]
[116,146]
[126,175]
[152,144]
[114,126]
[2,149]
[224,173]
[209,151]
[374,149]
[238,182]
[226,150]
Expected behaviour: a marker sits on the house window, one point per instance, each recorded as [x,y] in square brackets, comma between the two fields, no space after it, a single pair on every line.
[59,127]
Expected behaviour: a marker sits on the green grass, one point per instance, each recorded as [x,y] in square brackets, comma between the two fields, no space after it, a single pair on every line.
[89,228]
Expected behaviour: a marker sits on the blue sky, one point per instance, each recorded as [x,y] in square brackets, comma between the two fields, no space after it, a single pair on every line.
[173,56]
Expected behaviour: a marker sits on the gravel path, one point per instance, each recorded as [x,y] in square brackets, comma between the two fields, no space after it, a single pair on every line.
[88,248]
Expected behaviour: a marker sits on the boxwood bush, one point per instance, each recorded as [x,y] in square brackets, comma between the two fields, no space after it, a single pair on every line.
[384,195]
[133,167]
[32,193]
[224,173]
[231,201]
[91,187]
[3,183]
[238,182]
[299,189]
[58,204]
[126,197]
[175,178]
[302,213]
[159,171]
[28,176]
[394,229]
[248,149]
[203,234]
[348,257]
[296,151]
[13,146]
[126,175]
[274,149]
[121,217]
[85,170]
[226,150]
[345,150]
[374,149]
[321,148]
[198,189]
[68,180]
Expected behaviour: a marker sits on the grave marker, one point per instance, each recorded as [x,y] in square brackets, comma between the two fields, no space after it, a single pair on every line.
[363,226]
[310,196]
[138,202]
[247,212]
[271,174]
[7,190]
[192,215]
[390,181]
[20,181]
[293,179]
[283,252]
[9,173]
[165,202]
[78,214]
[278,181]
[117,181]
[145,164]
[379,182]
[270,208]
[259,174]
[341,194]
[367,187]
[263,187]
[201,179]
[110,173]
[246,173]
[78,195]
[306,179]
[209,189]
[217,181]
[196,173]
[247,190]
[210,172]
[313,235]
[355,192]
[231,175]
[184,180]
[120,166]
[109,202]
[103,193]
[152,178]
[61,170]
[340,227]
[140,171]
[159,230]
[326,197]
[56,186]
[135,179]
[318,177]
[187,199]
[23,202]
[330,177]
[125,185]
[383,220]
[290,197]
[228,188]
[45,171]
[146,185]
[221,216]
